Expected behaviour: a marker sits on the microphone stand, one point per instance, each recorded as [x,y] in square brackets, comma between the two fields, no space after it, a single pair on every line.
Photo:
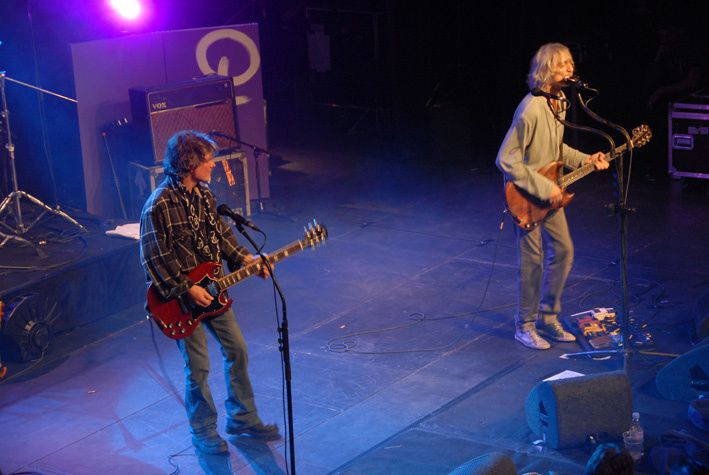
[620,207]
[257,151]
[611,143]
[14,197]
[284,344]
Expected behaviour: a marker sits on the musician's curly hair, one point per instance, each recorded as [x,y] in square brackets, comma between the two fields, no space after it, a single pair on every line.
[185,151]
[542,64]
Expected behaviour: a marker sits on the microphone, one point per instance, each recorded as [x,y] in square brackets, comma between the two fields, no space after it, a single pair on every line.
[576,81]
[239,220]
[114,124]
[538,92]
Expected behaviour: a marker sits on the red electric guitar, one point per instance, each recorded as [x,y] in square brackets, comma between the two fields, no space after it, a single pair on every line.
[528,211]
[176,323]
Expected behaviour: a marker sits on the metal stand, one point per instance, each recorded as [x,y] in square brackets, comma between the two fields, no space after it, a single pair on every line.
[258,151]
[11,203]
[284,346]
[621,208]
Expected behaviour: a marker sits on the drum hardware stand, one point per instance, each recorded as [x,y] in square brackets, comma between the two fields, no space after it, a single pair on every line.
[11,203]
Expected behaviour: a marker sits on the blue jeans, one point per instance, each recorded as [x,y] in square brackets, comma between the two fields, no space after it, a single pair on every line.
[545,256]
[240,405]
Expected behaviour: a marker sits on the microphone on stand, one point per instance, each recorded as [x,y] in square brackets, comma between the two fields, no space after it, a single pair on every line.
[224,210]
[577,82]
[538,92]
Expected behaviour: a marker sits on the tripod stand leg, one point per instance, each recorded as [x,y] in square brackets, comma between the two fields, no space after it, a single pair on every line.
[21,228]
[49,209]
[5,238]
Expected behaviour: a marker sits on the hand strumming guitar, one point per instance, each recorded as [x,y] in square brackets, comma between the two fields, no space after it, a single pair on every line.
[203,298]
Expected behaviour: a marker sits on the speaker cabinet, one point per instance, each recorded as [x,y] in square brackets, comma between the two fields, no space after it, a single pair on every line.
[205,105]
[230,183]
[687,377]
[27,328]
[567,411]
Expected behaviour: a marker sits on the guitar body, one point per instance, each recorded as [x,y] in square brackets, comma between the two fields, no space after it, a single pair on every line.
[168,314]
[527,210]
[176,323]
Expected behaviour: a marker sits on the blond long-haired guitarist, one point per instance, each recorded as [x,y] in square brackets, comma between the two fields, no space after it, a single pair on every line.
[545,250]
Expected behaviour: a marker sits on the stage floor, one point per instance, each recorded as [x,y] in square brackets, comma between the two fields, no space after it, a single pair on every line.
[401,331]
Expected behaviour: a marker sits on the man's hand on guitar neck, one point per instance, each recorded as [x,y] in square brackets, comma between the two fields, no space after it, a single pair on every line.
[555,196]
[263,270]
[599,161]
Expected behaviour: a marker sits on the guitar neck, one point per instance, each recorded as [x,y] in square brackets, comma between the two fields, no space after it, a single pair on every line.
[255,267]
[584,170]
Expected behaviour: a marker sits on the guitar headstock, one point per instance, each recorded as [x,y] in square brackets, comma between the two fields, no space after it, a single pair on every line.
[315,234]
[641,135]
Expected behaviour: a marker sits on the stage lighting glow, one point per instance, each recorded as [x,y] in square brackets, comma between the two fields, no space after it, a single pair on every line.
[128,9]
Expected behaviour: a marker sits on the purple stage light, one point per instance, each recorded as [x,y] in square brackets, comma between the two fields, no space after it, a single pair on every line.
[128,9]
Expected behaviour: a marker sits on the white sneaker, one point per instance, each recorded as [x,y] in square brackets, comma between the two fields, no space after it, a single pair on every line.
[531,339]
[555,331]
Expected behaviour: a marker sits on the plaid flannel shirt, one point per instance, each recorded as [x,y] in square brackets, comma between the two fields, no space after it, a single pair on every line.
[167,248]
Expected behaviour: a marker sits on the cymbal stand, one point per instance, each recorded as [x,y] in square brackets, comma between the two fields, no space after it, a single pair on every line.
[11,203]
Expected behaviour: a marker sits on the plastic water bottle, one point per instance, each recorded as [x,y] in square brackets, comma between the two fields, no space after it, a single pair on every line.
[634,438]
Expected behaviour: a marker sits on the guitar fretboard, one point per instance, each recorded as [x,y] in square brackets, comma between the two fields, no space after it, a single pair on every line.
[581,172]
[255,267]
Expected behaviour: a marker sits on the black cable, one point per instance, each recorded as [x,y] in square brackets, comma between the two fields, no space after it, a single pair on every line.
[494,257]
[348,346]
[161,364]
[175,464]
[41,109]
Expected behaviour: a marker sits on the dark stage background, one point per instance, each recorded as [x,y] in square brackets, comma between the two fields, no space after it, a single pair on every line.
[437,78]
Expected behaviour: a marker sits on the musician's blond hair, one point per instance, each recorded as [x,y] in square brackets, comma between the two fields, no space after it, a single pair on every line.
[542,64]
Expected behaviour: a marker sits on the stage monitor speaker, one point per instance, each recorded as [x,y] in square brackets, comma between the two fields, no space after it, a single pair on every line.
[569,411]
[205,105]
[27,328]
[685,378]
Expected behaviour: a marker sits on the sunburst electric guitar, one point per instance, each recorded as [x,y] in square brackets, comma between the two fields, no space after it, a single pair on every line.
[528,211]
[176,323]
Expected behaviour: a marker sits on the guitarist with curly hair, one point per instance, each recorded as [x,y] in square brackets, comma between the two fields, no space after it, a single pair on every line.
[179,230]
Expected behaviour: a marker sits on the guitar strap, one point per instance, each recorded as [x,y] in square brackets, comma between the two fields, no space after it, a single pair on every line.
[557,117]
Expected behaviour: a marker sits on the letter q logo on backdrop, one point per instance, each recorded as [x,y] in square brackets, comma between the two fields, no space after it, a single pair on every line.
[223,67]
